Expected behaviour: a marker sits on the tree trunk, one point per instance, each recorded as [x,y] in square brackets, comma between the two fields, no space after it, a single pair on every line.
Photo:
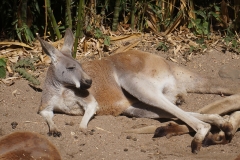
[53,20]
[116,15]
[68,14]
[80,24]
[132,14]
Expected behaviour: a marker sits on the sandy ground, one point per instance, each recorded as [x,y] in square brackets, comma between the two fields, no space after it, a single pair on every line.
[19,103]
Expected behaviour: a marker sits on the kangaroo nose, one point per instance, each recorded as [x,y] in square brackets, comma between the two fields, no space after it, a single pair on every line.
[89,82]
[86,84]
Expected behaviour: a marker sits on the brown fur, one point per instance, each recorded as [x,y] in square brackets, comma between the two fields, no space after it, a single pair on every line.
[27,145]
[109,95]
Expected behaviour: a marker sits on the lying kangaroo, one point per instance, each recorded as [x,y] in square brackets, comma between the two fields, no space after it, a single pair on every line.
[27,145]
[132,83]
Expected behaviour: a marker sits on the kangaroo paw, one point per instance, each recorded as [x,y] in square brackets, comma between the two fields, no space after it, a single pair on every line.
[227,128]
[172,129]
[214,139]
[54,133]
[196,145]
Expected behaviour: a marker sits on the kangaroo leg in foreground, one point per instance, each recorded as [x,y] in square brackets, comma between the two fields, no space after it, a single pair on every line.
[154,97]
[27,145]
[141,110]
[221,107]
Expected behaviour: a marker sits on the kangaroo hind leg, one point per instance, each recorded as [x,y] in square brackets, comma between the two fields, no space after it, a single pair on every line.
[135,84]
[142,110]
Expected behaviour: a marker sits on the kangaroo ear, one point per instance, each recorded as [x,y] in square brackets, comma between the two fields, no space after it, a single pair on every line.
[68,42]
[49,49]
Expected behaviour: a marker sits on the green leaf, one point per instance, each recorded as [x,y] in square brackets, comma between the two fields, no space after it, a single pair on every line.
[190,25]
[2,72]
[234,43]
[205,24]
[197,21]
[201,13]
[162,46]
[2,62]
[217,8]
[200,41]
[192,48]
[107,40]
[199,31]
[89,28]
[98,33]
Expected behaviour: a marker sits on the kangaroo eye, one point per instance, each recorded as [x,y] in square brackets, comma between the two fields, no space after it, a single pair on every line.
[70,68]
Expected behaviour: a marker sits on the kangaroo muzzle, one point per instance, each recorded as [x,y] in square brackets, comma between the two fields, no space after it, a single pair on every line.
[85,84]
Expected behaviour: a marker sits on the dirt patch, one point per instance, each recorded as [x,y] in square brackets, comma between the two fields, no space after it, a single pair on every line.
[105,139]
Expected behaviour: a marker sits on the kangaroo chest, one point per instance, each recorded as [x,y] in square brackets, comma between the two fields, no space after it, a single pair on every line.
[105,88]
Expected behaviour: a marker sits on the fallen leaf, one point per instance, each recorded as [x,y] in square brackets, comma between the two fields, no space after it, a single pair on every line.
[15,93]
[13,59]
[8,81]
[102,129]
[172,59]
[16,43]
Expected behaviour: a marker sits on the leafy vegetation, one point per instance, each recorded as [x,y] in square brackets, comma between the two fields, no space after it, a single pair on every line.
[201,24]
[232,42]
[2,68]
[22,65]
[162,47]
[22,19]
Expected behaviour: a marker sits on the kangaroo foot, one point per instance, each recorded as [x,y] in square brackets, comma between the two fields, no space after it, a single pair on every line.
[54,133]
[171,129]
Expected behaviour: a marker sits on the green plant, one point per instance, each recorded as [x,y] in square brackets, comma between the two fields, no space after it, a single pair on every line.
[20,19]
[231,41]
[2,68]
[202,43]
[21,67]
[98,34]
[24,34]
[106,40]
[162,47]
[201,24]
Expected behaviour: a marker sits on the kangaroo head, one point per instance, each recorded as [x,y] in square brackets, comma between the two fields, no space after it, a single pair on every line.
[65,69]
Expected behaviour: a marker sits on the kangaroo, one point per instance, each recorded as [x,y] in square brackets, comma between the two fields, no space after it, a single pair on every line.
[27,145]
[132,83]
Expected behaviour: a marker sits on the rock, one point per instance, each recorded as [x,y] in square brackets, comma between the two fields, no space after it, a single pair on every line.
[229,72]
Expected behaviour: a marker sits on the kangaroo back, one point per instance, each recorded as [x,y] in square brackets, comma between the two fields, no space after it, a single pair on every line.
[196,83]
